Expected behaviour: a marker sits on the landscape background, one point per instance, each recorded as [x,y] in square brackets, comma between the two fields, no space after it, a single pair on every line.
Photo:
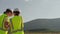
[43,25]
[38,15]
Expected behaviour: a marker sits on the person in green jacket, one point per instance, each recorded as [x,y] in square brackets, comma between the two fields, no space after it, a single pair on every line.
[17,23]
[4,17]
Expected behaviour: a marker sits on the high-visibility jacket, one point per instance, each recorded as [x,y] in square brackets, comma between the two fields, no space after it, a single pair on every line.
[17,24]
[2,17]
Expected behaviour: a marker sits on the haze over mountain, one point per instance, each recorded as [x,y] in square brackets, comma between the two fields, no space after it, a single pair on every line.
[50,24]
[33,9]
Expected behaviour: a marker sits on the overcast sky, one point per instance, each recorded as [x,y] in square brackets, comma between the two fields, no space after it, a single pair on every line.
[33,9]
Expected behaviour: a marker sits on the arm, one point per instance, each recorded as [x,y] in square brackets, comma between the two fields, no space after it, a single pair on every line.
[22,24]
[6,24]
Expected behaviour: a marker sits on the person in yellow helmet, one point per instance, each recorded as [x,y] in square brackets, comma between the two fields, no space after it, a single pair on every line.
[17,23]
[4,18]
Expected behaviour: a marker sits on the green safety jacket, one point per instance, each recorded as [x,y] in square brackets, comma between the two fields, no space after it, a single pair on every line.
[2,17]
[17,24]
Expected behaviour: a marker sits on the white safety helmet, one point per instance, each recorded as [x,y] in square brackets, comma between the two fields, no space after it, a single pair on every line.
[16,9]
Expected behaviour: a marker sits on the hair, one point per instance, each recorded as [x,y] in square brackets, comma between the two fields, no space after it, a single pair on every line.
[4,12]
[16,13]
[8,10]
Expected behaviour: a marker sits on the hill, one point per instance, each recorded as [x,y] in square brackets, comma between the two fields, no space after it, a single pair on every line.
[43,25]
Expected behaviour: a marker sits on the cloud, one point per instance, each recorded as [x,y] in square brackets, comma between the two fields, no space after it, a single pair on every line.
[28,0]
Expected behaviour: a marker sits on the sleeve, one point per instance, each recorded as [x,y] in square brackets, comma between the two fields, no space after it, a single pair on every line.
[22,24]
[5,22]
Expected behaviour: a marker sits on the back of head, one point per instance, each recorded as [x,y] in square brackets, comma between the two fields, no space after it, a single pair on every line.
[8,10]
[16,12]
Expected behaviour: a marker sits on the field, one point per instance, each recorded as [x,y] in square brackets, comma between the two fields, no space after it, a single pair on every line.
[42,32]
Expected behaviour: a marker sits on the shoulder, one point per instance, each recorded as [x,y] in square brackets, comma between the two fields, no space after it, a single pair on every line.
[21,16]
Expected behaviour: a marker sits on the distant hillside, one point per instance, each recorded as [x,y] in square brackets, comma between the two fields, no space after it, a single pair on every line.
[43,24]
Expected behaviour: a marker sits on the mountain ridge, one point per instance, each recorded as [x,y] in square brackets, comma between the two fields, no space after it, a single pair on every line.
[51,24]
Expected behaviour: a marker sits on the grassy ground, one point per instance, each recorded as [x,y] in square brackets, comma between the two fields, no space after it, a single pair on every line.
[42,32]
